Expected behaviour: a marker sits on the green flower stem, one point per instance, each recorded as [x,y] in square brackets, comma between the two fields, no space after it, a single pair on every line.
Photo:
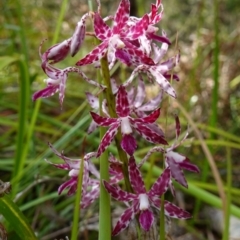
[214,108]
[229,197]
[104,200]
[77,209]
[111,107]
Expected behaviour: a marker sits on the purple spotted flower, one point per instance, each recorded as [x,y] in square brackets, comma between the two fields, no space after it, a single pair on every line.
[56,81]
[116,175]
[174,160]
[73,166]
[159,71]
[136,98]
[127,124]
[118,37]
[143,201]
[90,184]
[145,40]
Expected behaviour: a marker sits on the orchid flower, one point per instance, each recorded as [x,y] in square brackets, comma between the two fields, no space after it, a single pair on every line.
[120,36]
[145,40]
[57,78]
[174,160]
[116,175]
[157,71]
[90,185]
[127,123]
[136,100]
[143,201]
[73,166]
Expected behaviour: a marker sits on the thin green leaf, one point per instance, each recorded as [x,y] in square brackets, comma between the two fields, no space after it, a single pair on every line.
[16,219]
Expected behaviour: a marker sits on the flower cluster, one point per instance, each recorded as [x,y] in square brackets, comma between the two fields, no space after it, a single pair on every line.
[134,42]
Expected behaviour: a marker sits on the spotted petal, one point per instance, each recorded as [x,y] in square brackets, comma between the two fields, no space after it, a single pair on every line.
[149,134]
[151,118]
[46,92]
[159,53]
[103,121]
[57,52]
[133,55]
[122,104]
[170,63]
[124,221]
[92,100]
[139,28]
[78,35]
[71,163]
[154,15]
[135,177]
[71,184]
[161,185]
[108,138]
[91,196]
[129,144]
[117,193]
[189,166]
[102,30]
[95,55]
[146,219]
[121,16]
[141,93]
[152,104]
[176,171]
[51,72]
[173,211]
[162,81]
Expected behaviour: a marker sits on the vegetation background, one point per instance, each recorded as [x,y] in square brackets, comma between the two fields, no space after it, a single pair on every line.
[207,33]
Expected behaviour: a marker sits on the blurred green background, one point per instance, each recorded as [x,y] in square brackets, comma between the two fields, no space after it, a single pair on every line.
[207,33]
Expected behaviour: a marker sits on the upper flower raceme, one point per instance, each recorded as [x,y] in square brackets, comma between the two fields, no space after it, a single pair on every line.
[120,36]
[127,124]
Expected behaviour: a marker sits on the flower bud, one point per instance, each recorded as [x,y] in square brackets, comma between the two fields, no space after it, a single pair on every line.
[78,37]
[57,52]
